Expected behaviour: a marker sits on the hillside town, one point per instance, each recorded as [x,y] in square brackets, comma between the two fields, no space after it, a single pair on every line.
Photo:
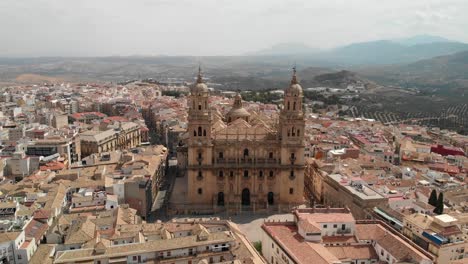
[161,172]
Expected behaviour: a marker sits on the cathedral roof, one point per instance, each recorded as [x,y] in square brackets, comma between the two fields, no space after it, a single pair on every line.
[239,112]
[240,129]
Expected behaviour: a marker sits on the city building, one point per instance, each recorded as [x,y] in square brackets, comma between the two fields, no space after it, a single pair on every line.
[188,241]
[333,236]
[440,235]
[127,135]
[243,161]
[68,147]
[354,193]
[87,117]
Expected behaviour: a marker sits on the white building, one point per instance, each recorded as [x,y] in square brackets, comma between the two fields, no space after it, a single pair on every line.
[331,235]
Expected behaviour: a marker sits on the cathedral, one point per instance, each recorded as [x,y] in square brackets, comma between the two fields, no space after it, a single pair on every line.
[240,162]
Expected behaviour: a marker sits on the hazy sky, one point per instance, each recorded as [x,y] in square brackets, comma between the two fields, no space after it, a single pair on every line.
[214,27]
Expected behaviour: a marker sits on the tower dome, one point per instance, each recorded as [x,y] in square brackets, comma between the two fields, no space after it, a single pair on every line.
[199,86]
[294,88]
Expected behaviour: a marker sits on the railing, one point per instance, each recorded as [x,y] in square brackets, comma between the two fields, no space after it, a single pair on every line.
[346,231]
[246,161]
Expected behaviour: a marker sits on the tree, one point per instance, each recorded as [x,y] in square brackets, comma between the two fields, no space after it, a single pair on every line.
[440,204]
[258,246]
[433,198]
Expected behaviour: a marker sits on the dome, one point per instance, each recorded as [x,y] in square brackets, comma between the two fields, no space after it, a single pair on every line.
[238,112]
[295,88]
[199,86]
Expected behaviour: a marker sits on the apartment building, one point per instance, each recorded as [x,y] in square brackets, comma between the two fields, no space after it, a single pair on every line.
[333,236]
[441,235]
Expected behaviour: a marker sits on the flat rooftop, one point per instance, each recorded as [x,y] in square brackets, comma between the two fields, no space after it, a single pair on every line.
[356,186]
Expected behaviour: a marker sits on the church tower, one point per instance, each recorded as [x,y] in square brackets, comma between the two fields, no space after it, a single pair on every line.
[199,143]
[291,136]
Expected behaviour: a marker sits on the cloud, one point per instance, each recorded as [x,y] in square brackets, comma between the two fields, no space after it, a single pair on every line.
[214,27]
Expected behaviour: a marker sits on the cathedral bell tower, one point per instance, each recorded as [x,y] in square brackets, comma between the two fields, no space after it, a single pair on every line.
[292,114]
[199,145]
[199,115]
[291,137]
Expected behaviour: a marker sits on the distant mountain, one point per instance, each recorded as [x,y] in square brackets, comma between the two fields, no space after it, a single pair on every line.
[445,74]
[340,79]
[420,39]
[389,52]
[379,52]
[285,49]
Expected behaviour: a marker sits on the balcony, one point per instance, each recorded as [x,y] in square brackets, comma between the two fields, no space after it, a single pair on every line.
[226,161]
[246,162]
[345,231]
[292,159]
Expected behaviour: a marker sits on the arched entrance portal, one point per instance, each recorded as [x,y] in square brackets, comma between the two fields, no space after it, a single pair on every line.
[246,197]
[271,198]
[220,199]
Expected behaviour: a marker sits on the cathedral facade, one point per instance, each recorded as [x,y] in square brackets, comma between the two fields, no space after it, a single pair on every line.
[239,161]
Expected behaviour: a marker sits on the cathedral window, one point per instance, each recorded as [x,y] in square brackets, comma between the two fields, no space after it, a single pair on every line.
[200,176]
[199,106]
[288,105]
[221,155]
[199,131]
[246,174]
[231,175]
[294,106]
[291,175]
[221,174]
[270,156]
[246,153]
[291,190]
[260,174]
[200,191]
[271,175]
[204,132]
[194,133]
[298,132]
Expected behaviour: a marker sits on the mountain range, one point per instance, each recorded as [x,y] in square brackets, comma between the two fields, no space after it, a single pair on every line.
[443,75]
[379,52]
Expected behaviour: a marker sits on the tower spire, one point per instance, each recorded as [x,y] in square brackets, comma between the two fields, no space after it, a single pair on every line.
[294,77]
[199,76]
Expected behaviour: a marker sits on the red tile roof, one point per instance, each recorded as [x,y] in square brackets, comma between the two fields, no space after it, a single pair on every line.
[41,214]
[301,251]
[353,252]
[84,114]
[35,229]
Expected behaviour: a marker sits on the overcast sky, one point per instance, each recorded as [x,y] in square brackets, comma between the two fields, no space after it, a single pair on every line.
[214,27]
